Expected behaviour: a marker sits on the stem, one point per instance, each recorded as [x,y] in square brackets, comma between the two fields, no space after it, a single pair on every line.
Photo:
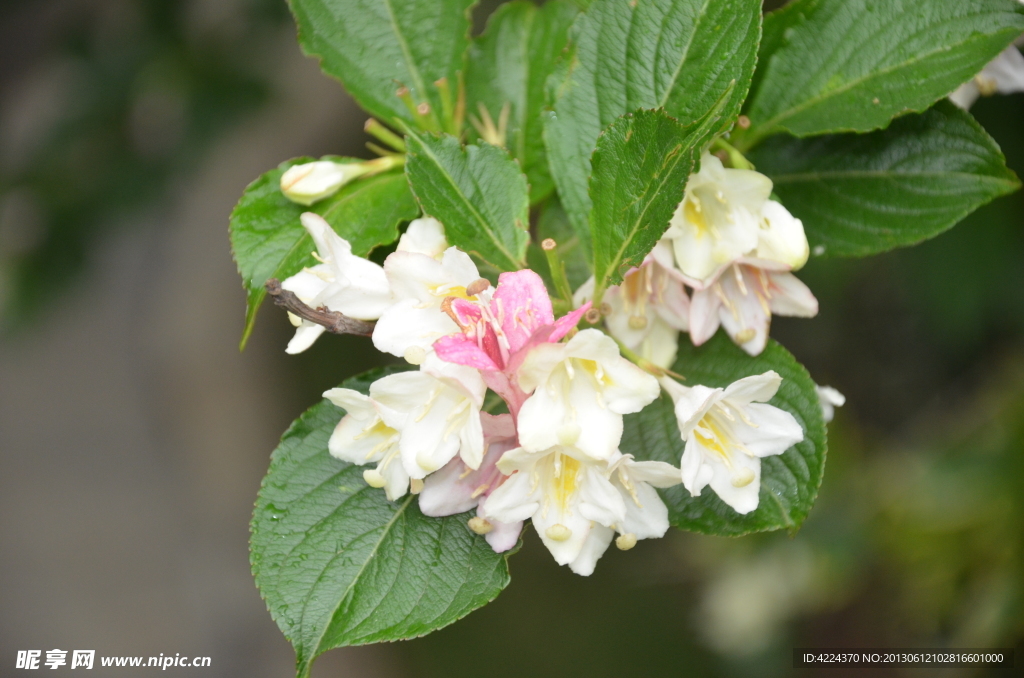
[736,159]
[422,113]
[384,135]
[447,107]
[459,116]
[334,322]
[383,164]
[643,363]
[557,268]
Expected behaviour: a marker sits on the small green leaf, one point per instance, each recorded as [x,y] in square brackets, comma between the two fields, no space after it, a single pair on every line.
[375,46]
[789,482]
[852,65]
[860,194]
[268,240]
[477,192]
[338,564]
[508,66]
[641,166]
[682,55]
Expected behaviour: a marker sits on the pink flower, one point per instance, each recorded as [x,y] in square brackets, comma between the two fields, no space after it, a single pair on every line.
[495,337]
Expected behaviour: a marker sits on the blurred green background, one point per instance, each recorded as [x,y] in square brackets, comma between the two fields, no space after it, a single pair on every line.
[133,435]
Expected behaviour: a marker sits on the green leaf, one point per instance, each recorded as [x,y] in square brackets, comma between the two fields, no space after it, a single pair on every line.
[852,65]
[789,482]
[860,194]
[268,241]
[508,66]
[478,193]
[683,55]
[375,46]
[338,564]
[641,166]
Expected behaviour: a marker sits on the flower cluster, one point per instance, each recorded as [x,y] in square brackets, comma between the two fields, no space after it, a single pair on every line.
[554,456]
[735,248]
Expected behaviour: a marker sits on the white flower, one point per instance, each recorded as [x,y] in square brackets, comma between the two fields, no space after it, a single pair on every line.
[437,413]
[580,389]
[563,490]
[718,220]
[424,236]
[342,282]
[781,237]
[743,298]
[727,431]
[649,308]
[312,181]
[362,437]
[1004,74]
[456,488]
[646,516]
[830,399]
[420,283]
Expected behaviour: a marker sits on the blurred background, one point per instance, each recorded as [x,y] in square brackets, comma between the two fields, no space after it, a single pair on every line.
[133,434]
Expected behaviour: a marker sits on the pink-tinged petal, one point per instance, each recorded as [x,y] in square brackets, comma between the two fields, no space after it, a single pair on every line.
[568,321]
[461,350]
[464,313]
[541,337]
[503,536]
[443,494]
[498,426]
[522,303]
[704,320]
[674,308]
[790,296]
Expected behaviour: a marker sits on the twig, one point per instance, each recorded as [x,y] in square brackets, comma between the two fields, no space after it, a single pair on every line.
[334,322]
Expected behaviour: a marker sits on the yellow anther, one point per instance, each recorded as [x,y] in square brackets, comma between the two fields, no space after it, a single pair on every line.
[480,525]
[624,542]
[558,532]
[743,478]
[373,478]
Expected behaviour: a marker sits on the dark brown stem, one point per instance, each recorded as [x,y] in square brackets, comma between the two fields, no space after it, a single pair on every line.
[334,322]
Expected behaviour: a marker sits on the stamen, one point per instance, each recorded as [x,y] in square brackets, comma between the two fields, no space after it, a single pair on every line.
[626,541]
[743,478]
[415,355]
[558,532]
[738,274]
[373,478]
[480,525]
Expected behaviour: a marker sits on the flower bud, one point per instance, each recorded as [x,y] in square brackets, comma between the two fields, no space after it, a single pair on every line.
[305,184]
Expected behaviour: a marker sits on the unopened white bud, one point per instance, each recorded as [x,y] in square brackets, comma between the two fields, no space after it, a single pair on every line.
[480,525]
[373,478]
[558,532]
[743,478]
[415,485]
[624,542]
[415,355]
[305,184]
